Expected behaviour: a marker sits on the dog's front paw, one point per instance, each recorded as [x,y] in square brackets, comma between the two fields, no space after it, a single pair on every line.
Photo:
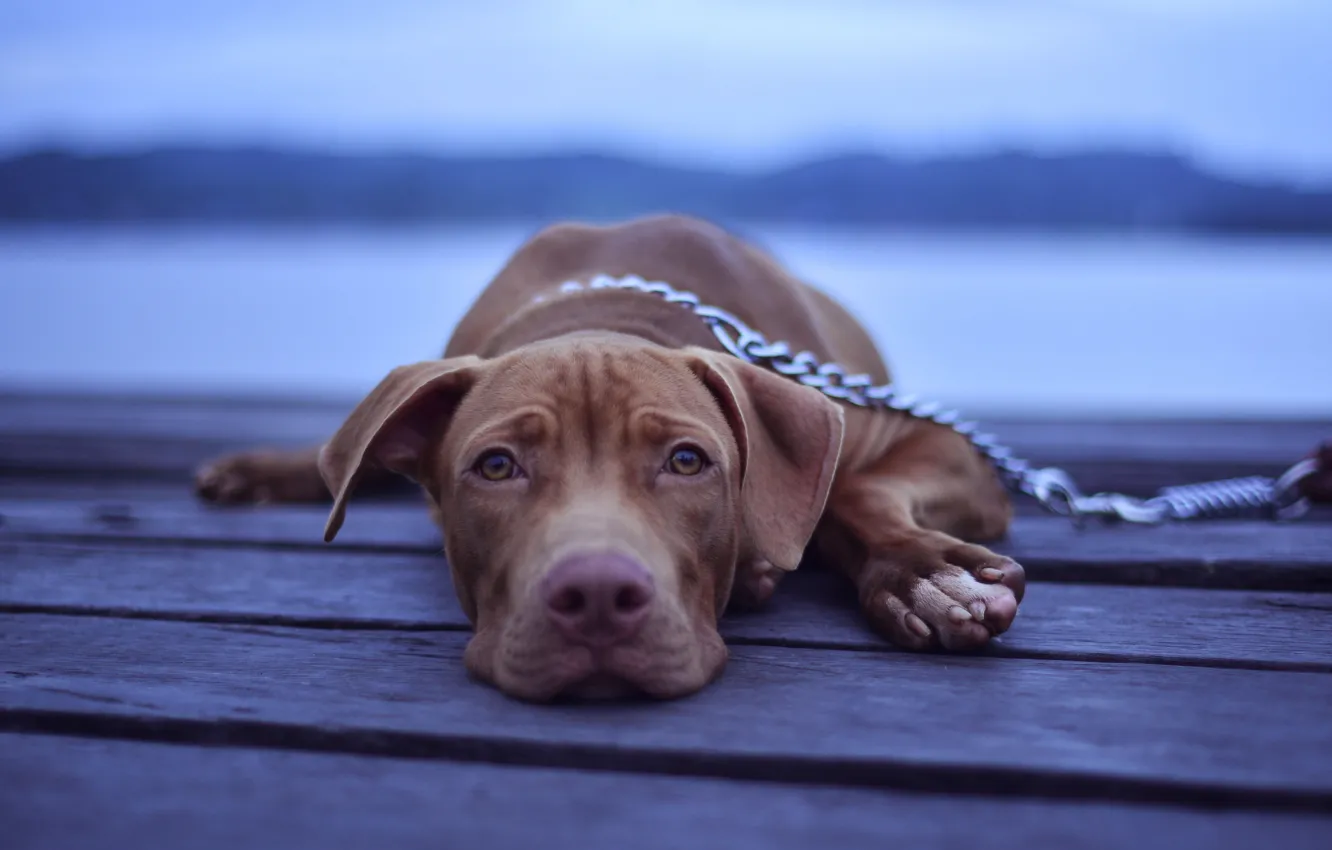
[258,477]
[233,480]
[957,598]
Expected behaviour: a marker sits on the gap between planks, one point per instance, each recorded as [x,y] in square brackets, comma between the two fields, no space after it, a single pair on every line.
[955,781]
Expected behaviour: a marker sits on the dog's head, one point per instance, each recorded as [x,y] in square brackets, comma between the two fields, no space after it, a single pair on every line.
[596,495]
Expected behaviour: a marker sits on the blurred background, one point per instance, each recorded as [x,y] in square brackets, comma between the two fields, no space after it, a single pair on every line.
[1117,207]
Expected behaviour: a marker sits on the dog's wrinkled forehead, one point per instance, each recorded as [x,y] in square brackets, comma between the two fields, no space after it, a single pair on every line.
[590,386]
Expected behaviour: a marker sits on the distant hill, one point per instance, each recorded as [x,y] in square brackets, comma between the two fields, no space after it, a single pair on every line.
[997,190]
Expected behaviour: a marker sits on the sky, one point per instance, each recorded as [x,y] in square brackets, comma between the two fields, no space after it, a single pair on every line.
[1242,85]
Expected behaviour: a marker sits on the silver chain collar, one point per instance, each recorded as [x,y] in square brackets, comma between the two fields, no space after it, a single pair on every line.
[1276,498]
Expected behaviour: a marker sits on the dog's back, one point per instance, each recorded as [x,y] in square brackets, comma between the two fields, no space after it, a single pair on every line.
[689,254]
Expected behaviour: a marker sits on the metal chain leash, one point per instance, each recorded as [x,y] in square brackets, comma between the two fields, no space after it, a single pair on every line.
[1277,498]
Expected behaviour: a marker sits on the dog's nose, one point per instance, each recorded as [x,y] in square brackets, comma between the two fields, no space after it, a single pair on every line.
[597,599]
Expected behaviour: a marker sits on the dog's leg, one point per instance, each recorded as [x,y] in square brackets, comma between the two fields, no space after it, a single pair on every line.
[263,476]
[895,529]
[754,585]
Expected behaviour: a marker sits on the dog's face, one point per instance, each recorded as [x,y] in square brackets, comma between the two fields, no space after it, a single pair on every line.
[596,494]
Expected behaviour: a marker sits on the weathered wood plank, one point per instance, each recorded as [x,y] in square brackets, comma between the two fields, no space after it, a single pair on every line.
[1121,731]
[167,438]
[400,525]
[1230,554]
[87,793]
[811,609]
[20,488]
[1249,554]
[178,416]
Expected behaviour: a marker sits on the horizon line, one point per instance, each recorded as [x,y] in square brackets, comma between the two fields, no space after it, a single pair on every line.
[682,162]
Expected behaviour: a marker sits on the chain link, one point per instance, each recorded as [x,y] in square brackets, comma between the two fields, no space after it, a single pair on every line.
[1231,498]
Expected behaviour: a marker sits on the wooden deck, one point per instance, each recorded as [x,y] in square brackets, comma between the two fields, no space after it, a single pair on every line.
[173,675]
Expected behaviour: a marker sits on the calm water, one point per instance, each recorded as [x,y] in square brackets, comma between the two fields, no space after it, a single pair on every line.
[1048,324]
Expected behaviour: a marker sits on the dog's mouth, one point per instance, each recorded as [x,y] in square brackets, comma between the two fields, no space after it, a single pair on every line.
[666,661]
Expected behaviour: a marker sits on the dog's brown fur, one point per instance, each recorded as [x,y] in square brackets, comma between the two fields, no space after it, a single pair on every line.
[590,392]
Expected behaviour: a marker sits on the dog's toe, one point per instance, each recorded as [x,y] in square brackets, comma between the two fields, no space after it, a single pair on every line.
[997,570]
[210,483]
[892,617]
[230,482]
[964,611]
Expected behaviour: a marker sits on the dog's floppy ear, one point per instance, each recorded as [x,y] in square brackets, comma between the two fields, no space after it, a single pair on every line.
[790,437]
[392,427]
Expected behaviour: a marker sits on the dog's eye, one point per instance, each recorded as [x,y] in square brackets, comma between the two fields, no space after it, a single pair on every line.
[686,461]
[496,466]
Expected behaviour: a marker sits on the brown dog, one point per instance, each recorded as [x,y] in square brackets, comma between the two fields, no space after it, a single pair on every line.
[607,479]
